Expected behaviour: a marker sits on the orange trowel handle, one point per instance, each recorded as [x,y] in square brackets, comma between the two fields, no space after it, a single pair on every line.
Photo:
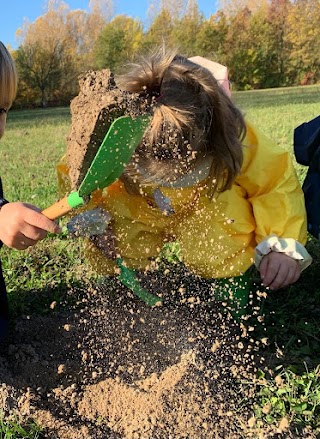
[62,207]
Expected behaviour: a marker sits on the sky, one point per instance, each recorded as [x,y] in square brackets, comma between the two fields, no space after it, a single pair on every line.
[15,12]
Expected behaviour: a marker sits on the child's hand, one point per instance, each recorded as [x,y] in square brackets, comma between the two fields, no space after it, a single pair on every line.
[22,225]
[278,270]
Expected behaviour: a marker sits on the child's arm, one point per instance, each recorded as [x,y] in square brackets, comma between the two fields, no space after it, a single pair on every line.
[277,202]
[22,225]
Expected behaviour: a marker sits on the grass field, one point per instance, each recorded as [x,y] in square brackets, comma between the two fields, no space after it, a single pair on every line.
[34,142]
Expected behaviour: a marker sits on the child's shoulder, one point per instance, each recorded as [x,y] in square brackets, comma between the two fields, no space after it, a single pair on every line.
[259,148]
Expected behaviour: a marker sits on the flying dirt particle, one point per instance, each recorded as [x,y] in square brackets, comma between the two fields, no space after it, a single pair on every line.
[215,346]
[61,368]
[279,381]
[53,305]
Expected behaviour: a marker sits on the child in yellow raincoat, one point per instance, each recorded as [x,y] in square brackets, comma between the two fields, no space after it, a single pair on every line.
[205,177]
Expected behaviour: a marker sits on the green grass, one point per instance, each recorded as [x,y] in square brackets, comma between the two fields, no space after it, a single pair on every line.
[277,112]
[14,430]
[33,143]
[293,314]
[296,397]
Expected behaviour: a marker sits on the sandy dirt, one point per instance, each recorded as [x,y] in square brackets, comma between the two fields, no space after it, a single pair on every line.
[114,367]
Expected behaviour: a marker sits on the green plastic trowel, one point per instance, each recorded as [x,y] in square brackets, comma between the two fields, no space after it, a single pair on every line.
[94,223]
[115,151]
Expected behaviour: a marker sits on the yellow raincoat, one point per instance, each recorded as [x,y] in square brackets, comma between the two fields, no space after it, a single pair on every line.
[218,237]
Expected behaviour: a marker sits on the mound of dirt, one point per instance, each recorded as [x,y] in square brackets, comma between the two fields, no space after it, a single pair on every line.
[114,367]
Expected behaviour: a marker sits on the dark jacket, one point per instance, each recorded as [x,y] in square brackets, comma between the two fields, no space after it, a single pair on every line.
[3,295]
[307,152]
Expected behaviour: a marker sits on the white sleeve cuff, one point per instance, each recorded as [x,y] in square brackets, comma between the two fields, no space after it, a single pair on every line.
[288,246]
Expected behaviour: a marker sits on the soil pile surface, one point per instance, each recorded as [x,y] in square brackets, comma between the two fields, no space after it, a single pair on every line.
[113,367]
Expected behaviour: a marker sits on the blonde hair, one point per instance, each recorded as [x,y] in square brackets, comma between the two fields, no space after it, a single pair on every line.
[8,78]
[193,118]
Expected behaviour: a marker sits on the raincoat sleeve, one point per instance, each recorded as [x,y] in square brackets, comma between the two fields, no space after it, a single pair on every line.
[275,194]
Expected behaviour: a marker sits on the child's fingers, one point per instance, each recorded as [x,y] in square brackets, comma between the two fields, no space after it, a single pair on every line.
[284,279]
[40,222]
[18,241]
[293,273]
[281,271]
[280,279]
[33,233]
[18,215]
[268,270]
[263,268]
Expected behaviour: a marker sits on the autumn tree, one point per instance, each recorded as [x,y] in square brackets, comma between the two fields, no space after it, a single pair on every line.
[41,69]
[231,7]
[43,56]
[236,48]
[118,42]
[211,37]
[64,40]
[187,28]
[258,55]
[256,47]
[303,36]
[160,31]
[85,29]
[278,11]
[176,9]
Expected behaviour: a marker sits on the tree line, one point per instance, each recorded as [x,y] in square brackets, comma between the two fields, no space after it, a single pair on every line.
[264,43]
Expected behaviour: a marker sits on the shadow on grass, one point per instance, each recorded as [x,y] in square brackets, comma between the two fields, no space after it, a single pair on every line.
[292,317]
[43,352]
[43,301]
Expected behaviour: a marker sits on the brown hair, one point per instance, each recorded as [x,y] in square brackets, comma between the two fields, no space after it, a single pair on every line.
[193,120]
[8,78]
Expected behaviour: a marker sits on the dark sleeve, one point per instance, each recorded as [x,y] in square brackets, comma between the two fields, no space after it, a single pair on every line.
[306,143]
[3,293]
[1,196]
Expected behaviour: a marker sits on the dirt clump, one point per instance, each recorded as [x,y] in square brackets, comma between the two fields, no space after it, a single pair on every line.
[98,103]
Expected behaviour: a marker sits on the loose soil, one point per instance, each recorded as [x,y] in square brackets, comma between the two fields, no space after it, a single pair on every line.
[113,367]
[109,366]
